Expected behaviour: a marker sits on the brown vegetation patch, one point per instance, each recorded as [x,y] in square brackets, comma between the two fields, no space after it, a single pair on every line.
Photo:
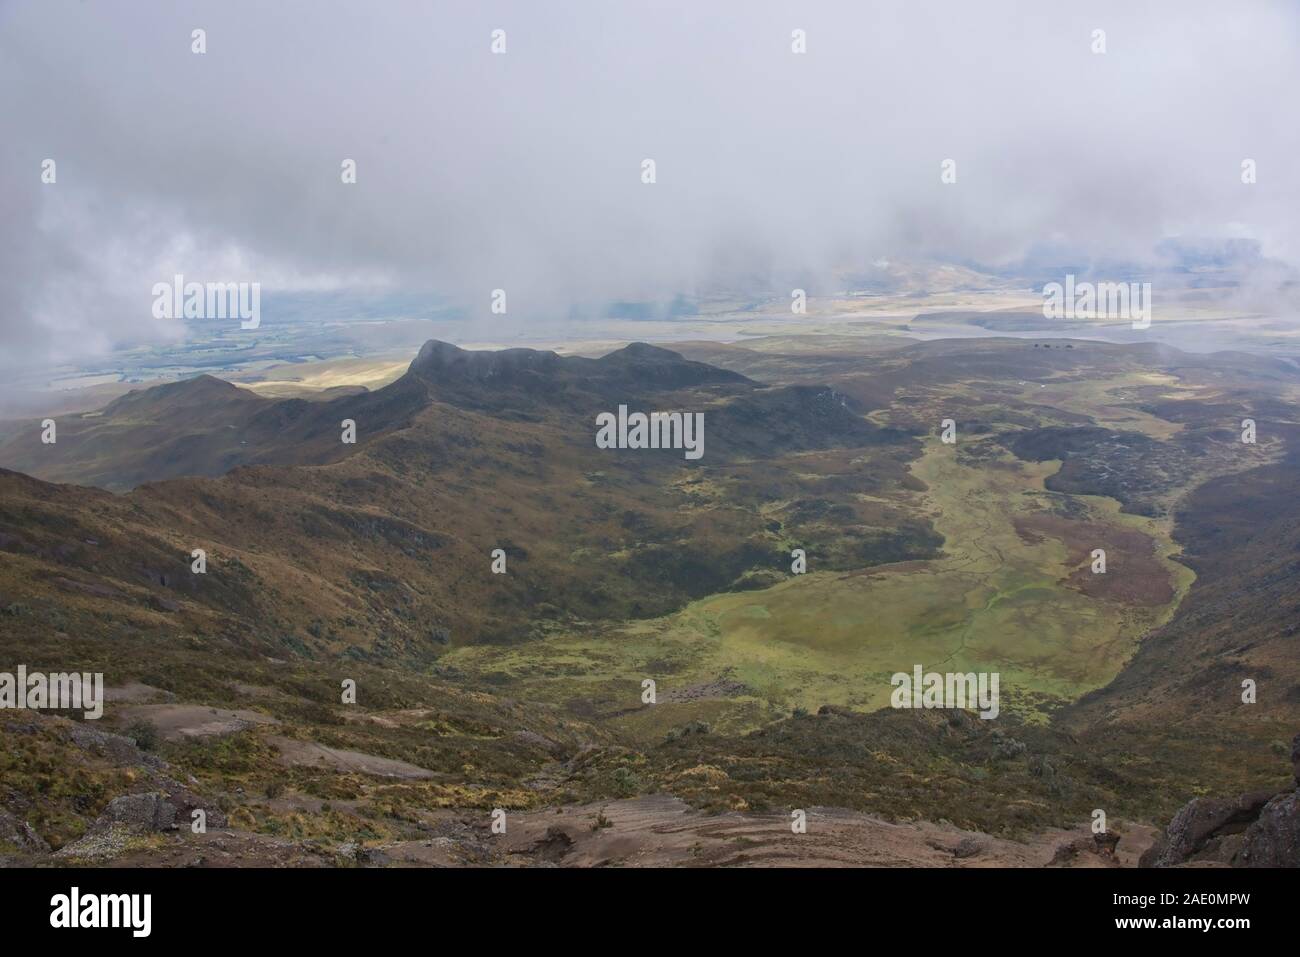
[1134,575]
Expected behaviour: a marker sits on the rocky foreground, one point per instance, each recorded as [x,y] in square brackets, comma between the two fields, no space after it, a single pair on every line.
[153,826]
[130,806]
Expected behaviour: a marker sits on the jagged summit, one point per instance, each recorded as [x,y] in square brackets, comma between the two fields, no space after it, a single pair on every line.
[639,363]
[438,359]
[206,426]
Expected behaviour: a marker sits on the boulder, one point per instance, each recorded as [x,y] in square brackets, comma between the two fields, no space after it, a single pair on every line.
[1259,829]
[186,802]
[1274,839]
[1200,827]
[1106,843]
[118,749]
[373,857]
[150,812]
[1097,850]
[158,811]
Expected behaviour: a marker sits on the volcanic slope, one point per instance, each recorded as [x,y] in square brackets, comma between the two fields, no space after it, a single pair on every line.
[383,549]
[525,689]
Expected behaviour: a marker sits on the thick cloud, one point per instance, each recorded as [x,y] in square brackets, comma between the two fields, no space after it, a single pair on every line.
[523,171]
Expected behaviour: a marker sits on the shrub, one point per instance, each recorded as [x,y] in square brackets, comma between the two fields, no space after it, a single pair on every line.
[143,734]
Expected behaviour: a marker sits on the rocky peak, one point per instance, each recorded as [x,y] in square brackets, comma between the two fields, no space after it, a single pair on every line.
[440,361]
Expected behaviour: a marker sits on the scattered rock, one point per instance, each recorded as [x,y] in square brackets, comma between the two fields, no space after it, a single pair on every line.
[98,845]
[722,687]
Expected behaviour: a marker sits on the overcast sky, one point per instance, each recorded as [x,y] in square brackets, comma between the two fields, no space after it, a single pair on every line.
[522,171]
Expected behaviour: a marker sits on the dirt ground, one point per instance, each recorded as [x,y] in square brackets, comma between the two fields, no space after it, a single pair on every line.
[661,831]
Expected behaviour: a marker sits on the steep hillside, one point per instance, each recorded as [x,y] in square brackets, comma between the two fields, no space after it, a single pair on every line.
[1241,619]
[374,562]
[384,548]
[202,427]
